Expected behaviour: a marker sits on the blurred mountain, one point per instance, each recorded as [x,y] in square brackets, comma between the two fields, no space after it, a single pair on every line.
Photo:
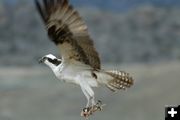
[144,34]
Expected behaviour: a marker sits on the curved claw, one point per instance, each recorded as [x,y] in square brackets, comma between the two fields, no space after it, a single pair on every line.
[98,106]
[86,112]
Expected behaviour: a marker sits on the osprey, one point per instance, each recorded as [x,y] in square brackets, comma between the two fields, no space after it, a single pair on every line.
[80,63]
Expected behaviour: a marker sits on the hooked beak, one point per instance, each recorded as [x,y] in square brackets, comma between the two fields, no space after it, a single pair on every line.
[41,60]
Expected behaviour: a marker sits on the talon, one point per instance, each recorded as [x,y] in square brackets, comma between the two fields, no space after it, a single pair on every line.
[99,105]
[86,112]
[99,108]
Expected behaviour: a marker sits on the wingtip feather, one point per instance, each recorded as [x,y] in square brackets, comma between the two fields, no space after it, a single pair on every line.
[39,8]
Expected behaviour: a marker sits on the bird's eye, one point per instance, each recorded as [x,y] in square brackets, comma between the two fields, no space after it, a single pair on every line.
[49,59]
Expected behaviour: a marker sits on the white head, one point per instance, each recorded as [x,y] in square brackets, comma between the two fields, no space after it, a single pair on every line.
[50,60]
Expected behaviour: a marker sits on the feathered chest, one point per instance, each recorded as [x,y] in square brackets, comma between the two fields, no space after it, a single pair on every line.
[75,74]
[68,73]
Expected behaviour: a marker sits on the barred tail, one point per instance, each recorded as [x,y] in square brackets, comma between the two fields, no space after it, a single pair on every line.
[121,80]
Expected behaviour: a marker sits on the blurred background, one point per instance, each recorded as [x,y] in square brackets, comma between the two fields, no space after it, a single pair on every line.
[141,37]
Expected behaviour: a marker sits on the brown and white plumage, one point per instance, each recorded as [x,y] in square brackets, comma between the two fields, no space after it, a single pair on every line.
[80,63]
[68,31]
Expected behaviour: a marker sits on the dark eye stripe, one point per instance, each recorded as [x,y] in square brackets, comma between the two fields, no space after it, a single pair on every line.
[54,61]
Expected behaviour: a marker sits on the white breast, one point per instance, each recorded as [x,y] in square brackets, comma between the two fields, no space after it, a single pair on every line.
[75,74]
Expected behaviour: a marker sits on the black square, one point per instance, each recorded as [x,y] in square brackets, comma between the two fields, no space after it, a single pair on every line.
[172,112]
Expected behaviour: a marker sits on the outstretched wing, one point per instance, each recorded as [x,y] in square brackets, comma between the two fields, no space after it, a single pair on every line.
[68,31]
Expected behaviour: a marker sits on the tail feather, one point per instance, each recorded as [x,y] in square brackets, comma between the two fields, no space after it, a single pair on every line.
[121,80]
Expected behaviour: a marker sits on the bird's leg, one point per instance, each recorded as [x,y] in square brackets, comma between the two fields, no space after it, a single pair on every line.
[93,104]
[87,97]
[88,102]
[86,112]
[90,109]
[92,101]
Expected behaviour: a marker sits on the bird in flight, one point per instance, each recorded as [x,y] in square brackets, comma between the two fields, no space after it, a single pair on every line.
[79,62]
